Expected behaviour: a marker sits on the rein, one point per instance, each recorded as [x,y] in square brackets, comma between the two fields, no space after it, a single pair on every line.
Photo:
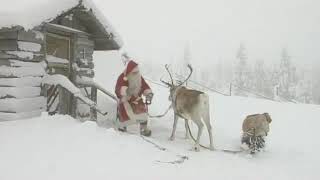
[222,150]
[157,116]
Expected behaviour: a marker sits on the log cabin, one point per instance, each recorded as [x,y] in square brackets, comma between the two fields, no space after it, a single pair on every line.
[46,38]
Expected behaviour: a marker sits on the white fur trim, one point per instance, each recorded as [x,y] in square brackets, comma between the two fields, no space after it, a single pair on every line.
[132,115]
[147,91]
[125,124]
[136,69]
[123,90]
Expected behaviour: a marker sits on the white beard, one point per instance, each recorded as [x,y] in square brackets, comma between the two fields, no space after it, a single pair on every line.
[134,84]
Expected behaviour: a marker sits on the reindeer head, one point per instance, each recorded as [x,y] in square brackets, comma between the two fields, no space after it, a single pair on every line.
[173,87]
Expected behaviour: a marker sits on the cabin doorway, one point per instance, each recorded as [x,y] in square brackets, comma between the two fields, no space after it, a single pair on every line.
[58,55]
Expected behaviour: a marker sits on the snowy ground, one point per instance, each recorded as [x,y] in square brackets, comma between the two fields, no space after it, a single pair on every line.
[59,147]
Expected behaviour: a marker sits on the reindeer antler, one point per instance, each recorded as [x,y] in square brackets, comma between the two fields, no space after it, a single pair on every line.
[191,70]
[167,68]
[164,82]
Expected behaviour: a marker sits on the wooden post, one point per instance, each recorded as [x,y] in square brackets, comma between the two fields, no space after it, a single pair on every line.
[73,52]
[230,89]
[93,112]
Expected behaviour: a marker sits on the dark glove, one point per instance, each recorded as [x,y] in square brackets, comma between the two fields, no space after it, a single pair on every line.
[149,98]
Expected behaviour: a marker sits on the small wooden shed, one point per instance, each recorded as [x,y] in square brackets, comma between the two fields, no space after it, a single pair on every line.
[50,37]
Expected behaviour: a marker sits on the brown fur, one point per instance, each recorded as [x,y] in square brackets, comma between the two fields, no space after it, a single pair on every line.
[268,117]
[189,105]
[257,124]
[187,100]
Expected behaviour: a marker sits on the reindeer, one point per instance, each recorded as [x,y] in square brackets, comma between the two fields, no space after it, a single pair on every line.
[189,104]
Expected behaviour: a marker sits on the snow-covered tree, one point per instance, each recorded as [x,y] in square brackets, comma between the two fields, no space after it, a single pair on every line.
[241,78]
[218,76]
[181,66]
[287,77]
[304,85]
[262,79]
[316,85]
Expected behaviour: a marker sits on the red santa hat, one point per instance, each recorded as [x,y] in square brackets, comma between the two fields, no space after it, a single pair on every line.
[131,67]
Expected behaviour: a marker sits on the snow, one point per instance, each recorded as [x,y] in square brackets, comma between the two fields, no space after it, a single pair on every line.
[39,35]
[66,28]
[90,82]
[21,54]
[59,79]
[59,147]
[19,116]
[17,63]
[77,68]
[21,71]
[63,81]
[32,13]
[22,105]
[29,14]
[21,82]
[20,92]
[29,46]
[53,59]
[107,25]
[84,61]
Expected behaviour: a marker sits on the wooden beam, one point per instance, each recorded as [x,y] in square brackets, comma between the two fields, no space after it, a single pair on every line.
[15,28]
[81,64]
[85,41]
[31,36]
[105,44]
[93,112]
[4,55]
[8,45]
[9,35]
[85,72]
[56,27]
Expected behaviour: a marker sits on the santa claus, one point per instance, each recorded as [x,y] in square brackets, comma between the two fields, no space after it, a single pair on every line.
[130,88]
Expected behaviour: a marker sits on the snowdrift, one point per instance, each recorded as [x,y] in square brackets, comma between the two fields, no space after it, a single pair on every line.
[59,147]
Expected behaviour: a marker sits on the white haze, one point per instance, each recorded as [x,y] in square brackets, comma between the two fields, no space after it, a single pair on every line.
[158,30]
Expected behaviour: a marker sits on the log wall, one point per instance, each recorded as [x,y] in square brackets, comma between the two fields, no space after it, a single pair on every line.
[83,67]
[21,69]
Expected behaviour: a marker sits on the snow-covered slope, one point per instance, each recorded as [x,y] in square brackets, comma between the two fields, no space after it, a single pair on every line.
[59,147]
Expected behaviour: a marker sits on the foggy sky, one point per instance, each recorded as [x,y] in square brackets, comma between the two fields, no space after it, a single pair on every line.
[158,30]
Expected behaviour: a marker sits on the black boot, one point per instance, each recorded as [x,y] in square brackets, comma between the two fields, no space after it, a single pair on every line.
[122,129]
[144,131]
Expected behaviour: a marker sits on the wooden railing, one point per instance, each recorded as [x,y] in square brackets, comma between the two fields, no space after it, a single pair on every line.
[53,94]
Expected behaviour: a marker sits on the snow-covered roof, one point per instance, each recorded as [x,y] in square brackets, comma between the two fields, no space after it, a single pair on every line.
[32,13]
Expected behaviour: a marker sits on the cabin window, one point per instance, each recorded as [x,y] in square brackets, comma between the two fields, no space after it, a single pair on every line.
[58,46]
[58,54]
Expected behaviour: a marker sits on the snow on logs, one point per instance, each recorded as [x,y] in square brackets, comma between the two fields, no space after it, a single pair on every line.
[83,67]
[22,67]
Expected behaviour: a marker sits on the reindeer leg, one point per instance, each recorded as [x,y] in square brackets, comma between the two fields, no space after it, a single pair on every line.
[200,128]
[172,137]
[187,128]
[210,133]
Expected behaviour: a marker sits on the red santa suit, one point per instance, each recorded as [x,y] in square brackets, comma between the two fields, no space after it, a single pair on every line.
[131,107]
